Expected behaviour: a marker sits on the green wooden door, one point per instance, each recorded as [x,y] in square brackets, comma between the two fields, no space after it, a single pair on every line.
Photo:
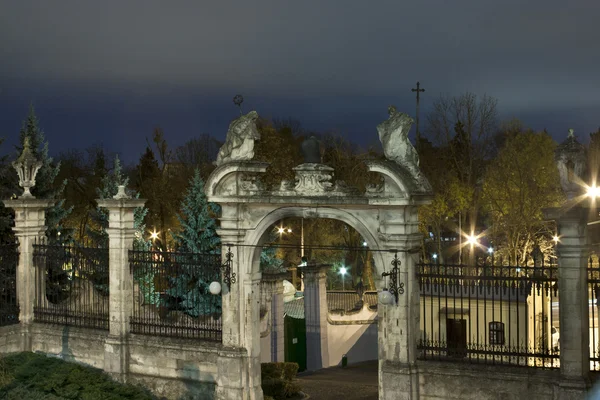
[295,341]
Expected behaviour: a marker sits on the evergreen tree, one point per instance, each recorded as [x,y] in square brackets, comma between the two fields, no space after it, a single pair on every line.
[8,189]
[269,262]
[198,226]
[45,187]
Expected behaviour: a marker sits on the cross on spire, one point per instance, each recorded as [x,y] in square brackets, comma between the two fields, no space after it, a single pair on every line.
[419,91]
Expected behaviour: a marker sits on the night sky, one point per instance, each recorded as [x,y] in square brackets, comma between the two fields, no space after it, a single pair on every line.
[107,72]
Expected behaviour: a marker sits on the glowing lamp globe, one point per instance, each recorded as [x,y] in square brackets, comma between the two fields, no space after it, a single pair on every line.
[214,288]
[385,297]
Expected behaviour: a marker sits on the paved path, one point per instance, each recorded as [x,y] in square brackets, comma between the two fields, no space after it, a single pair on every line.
[356,382]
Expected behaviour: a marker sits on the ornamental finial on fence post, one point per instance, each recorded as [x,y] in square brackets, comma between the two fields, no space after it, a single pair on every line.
[27,166]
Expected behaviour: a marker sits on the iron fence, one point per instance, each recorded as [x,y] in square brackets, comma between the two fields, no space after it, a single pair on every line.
[593,288]
[9,307]
[171,294]
[491,314]
[72,285]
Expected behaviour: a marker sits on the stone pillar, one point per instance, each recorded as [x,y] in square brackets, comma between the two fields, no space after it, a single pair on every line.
[30,219]
[315,313]
[121,234]
[573,312]
[398,324]
[238,377]
[275,297]
[277,327]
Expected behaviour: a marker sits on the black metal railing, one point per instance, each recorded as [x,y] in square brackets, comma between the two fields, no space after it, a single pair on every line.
[9,307]
[593,278]
[171,294]
[491,314]
[72,285]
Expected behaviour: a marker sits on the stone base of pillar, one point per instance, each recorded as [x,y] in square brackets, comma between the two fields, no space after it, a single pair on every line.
[398,381]
[238,376]
[572,389]
[116,358]
[25,337]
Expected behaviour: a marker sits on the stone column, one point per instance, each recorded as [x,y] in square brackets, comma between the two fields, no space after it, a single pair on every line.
[238,365]
[315,314]
[121,234]
[398,324]
[30,219]
[275,297]
[573,304]
[277,327]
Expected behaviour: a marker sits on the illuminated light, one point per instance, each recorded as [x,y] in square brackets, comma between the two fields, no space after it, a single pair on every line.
[154,235]
[343,270]
[365,244]
[593,191]
[434,256]
[556,239]
[385,297]
[215,288]
[280,230]
[490,250]
[472,240]
[289,230]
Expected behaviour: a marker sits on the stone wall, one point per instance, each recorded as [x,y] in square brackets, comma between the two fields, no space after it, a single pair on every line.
[11,340]
[438,380]
[174,368]
[70,343]
[169,367]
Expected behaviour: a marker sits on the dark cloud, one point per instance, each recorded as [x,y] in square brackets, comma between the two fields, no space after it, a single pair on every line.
[128,65]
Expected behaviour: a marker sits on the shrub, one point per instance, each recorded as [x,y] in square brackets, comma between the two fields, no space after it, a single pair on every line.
[278,380]
[36,376]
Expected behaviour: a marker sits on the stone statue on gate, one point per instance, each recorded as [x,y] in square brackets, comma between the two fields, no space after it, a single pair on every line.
[393,134]
[239,144]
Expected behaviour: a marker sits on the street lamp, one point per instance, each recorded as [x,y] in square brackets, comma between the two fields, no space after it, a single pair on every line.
[490,250]
[343,271]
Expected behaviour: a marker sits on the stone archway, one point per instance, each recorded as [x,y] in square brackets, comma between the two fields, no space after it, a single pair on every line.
[386,215]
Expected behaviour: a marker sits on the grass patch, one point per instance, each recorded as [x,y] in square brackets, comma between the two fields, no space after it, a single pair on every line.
[25,376]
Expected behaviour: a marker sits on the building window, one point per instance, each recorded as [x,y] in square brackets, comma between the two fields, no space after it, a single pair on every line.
[496,332]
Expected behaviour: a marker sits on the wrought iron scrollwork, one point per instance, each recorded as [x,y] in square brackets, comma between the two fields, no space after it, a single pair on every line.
[396,288]
[229,277]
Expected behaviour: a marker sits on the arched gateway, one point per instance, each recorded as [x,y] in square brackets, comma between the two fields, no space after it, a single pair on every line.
[386,215]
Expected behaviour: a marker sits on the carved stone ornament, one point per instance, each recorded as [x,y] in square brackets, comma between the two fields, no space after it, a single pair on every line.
[239,144]
[571,162]
[251,183]
[313,179]
[393,134]
[121,194]
[27,166]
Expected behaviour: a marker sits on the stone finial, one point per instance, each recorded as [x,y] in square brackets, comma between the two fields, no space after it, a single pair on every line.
[311,150]
[239,144]
[571,160]
[27,166]
[121,194]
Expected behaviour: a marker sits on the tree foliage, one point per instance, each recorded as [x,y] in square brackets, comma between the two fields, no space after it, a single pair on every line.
[197,220]
[519,183]
[45,185]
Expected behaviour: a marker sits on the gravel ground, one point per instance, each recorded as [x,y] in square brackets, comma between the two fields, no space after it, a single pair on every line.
[355,382]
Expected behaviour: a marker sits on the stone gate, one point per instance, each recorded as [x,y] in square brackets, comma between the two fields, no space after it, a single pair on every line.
[385,215]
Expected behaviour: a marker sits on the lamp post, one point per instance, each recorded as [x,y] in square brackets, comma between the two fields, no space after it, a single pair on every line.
[343,271]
